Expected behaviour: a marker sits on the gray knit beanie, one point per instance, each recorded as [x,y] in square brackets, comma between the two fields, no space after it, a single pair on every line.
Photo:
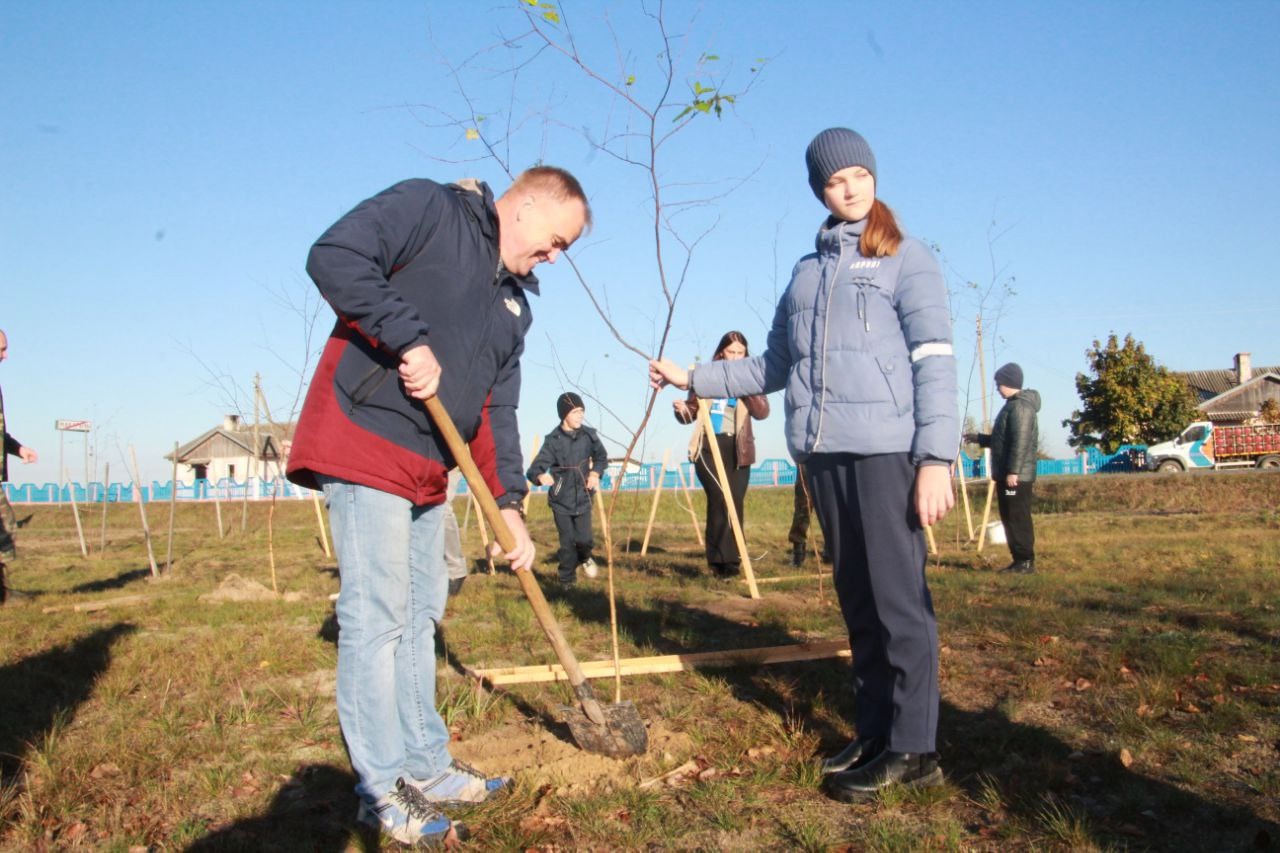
[1010,375]
[834,149]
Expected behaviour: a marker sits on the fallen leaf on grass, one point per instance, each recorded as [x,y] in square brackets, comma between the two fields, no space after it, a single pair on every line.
[536,823]
[1247,738]
[1126,758]
[1082,684]
[1044,661]
[104,771]
[71,833]
[760,752]
[1047,639]
[1191,708]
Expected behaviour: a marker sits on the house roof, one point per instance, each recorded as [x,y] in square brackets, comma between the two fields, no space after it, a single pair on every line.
[1241,400]
[271,437]
[1208,384]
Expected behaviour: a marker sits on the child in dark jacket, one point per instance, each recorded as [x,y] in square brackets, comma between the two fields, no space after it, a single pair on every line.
[571,461]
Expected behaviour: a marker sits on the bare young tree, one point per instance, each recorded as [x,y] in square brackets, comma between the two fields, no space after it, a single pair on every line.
[629,111]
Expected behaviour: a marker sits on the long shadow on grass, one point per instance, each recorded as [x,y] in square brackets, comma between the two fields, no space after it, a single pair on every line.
[314,810]
[118,582]
[1040,776]
[42,692]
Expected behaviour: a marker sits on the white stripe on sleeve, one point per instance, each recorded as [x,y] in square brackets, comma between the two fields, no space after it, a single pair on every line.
[932,348]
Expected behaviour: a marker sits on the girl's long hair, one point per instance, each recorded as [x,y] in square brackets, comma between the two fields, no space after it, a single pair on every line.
[733,338]
[882,236]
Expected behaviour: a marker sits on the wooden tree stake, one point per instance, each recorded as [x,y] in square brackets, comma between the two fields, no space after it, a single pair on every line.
[688,499]
[173,510]
[484,533]
[75,510]
[709,441]
[533,454]
[964,496]
[818,650]
[986,515]
[324,539]
[106,487]
[142,511]
[653,508]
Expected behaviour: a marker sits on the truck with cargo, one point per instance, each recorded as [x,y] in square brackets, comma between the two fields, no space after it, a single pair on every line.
[1208,445]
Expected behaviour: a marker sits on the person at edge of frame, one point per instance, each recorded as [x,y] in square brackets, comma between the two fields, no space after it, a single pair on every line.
[862,343]
[8,520]
[430,285]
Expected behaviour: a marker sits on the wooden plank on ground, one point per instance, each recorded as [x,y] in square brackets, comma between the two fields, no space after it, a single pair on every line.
[817,650]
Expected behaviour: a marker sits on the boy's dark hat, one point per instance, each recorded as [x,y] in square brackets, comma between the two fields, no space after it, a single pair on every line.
[567,402]
[1009,375]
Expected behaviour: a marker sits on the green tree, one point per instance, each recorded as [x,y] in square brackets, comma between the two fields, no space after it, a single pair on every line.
[1129,399]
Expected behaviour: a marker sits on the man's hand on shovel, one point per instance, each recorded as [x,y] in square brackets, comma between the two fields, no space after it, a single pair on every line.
[521,556]
[420,372]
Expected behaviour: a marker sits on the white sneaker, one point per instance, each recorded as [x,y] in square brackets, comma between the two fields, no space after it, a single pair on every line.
[406,816]
[458,784]
[589,568]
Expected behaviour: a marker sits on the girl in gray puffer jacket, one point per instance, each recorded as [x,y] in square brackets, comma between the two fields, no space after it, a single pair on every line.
[861,341]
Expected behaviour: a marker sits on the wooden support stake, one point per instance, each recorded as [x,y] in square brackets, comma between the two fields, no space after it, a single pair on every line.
[484,534]
[106,487]
[244,499]
[217,509]
[709,442]
[818,650]
[653,508]
[964,496]
[75,510]
[173,510]
[271,534]
[324,538]
[533,454]
[786,578]
[142,511]
[688,499]
[986,514]
[466,518]
[91,606]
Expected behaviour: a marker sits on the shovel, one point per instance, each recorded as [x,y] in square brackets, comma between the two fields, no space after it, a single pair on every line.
[615,730]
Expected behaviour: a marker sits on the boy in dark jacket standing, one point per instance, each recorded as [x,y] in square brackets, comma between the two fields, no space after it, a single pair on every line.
[571,461]
[1014,441]
[430,283]
[8,521]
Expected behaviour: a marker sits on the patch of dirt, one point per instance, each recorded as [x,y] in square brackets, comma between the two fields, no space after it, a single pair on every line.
[236,588]
[540,756]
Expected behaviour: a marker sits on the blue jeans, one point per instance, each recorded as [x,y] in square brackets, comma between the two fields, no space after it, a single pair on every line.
[394,585]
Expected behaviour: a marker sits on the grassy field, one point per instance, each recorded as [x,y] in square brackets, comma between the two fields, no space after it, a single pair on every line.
[1126,697]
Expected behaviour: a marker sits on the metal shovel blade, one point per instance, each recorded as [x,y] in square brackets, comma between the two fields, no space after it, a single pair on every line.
[623,733]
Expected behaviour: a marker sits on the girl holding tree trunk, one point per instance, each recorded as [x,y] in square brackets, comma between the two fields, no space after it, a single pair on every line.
[861,341]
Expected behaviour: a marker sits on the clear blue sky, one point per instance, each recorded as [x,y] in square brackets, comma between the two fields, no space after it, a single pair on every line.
[164,168]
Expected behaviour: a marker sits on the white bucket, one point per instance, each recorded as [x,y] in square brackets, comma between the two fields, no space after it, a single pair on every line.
[995,533]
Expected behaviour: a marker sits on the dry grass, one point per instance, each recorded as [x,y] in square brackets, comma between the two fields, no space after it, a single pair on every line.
[1126,696]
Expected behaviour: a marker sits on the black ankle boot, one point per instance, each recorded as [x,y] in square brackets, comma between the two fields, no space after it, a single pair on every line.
[797,555]
[1020,567]
[911,769]
[859,751]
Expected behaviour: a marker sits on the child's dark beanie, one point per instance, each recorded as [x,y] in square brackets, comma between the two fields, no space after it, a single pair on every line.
[834,149]
[567,402]
[1010,375]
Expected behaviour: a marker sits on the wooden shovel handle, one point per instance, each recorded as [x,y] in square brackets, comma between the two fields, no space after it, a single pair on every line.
[569,661]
